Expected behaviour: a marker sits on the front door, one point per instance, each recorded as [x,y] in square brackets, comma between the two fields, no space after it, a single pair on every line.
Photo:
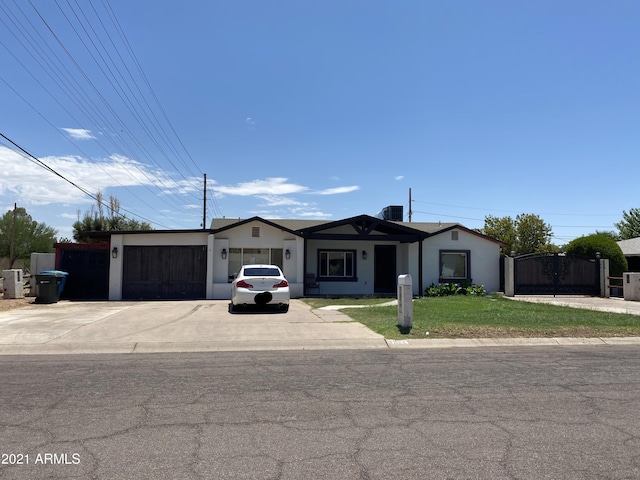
[384,265]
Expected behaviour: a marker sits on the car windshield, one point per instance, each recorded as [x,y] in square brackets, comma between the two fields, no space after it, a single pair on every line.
[261,272]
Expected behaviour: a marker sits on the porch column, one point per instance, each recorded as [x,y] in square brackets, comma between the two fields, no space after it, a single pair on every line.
[210,266]
[420,287]
[304,261]
[116,267]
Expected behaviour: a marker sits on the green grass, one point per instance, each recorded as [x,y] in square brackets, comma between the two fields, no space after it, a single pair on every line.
[487,317]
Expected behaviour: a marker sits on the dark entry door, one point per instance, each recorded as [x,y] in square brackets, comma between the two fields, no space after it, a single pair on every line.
[164,272]
[384,269]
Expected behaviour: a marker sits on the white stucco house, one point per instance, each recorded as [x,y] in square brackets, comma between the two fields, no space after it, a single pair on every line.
[361,255]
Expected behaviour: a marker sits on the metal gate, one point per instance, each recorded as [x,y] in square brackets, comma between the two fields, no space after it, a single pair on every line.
[88,270]
[556,274]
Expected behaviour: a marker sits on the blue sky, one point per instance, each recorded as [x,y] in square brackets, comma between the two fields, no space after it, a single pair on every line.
[322,109]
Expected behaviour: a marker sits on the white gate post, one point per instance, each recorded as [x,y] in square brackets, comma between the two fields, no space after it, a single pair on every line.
[604,278]
[509,277]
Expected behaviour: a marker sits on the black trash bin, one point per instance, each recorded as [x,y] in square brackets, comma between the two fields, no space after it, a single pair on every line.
[57,273]
[48,286]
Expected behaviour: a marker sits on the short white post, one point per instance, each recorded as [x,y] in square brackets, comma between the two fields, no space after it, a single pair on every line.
[405,301]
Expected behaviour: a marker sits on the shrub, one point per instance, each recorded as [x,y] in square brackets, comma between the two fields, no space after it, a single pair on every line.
[446,289]
[591,244]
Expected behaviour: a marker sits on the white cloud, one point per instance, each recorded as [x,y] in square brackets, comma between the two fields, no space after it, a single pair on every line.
[399,177]
[337,190]
[278,201]
[79,133]
[275,193]
[268,186]
[22,178]
[40,189]
[311,213]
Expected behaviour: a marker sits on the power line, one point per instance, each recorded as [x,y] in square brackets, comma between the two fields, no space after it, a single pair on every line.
[97,164]
[136,103]
[513,211]
[112,79]
[69,92]
[40,163]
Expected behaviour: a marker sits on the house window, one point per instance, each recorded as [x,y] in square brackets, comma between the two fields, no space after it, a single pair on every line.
[337,265]
[454,235]
[454,265]
[255,231]
[252,256]
[255,256]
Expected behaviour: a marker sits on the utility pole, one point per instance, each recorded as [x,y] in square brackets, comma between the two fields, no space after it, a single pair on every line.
[410,211]
[204,214]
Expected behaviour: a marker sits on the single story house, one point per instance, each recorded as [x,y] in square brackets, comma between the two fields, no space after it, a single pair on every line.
[361,255]
[631,250]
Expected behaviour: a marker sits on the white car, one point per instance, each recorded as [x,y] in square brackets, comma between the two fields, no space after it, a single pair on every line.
[260,285]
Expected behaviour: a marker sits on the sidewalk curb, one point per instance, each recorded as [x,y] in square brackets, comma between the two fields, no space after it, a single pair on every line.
[511,342]
[132,348]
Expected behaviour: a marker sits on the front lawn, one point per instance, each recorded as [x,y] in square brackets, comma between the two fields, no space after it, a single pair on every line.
[487,317]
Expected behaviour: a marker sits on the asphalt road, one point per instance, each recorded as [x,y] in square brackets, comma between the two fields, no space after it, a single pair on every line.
[510,413]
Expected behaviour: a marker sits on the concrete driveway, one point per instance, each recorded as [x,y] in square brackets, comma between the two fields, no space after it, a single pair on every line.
[207,325]
[613,305]
[174,326]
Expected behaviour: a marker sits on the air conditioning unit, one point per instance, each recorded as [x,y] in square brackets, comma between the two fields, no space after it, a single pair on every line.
[395,213]
[12,284]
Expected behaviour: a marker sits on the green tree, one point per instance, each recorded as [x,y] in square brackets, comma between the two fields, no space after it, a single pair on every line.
[503,229]
[20,236]
[590,245]
[534,235]
[528,233]
[95,220]
[609,233]
[629,226]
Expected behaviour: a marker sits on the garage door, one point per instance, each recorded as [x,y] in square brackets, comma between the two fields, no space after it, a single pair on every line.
[164,272]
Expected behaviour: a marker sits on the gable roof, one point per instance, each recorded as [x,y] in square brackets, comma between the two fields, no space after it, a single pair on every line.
[363,225]
[222,224]
[430,227]
[457,226]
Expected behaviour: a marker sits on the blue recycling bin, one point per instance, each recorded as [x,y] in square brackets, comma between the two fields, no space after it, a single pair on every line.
[59,274]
